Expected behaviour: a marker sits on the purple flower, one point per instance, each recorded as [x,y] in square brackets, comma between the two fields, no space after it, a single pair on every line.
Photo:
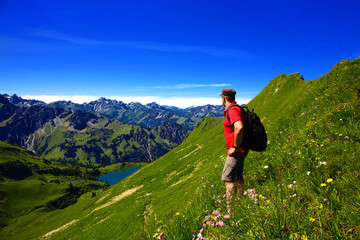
[295,167]
[284,207]
[227,216]
[287,228]
[356,174]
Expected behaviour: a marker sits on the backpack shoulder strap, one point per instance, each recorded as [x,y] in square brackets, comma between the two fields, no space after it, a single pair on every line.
[242,109]
[227,110]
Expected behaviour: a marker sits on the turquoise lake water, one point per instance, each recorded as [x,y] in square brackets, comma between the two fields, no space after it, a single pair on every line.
[115,177]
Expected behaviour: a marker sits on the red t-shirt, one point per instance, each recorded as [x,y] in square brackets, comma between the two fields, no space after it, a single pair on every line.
[235,114]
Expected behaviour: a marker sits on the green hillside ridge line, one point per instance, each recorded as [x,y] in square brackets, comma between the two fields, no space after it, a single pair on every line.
[307,179]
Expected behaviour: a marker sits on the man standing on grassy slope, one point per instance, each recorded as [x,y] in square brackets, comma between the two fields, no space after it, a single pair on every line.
[234,131]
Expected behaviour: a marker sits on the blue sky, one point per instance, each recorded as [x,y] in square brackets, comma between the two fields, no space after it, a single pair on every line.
[179,53]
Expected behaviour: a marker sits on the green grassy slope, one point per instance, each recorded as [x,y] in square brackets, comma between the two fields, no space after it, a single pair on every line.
[29,184]
[306,183]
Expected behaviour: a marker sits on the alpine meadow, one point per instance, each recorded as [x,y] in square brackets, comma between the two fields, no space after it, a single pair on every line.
[304,186]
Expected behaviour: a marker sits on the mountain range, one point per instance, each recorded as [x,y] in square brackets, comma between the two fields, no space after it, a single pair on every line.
[83,137]
[148,116]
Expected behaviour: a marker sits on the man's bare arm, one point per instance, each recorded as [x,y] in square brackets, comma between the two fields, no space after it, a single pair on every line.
[238,136]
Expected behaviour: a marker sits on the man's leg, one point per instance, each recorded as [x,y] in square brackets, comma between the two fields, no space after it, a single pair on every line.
[230,191]
[239,186]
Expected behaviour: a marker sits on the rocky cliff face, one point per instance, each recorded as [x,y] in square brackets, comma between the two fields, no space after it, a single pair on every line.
[172,132]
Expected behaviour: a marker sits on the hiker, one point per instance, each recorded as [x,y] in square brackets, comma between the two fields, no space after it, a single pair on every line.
[234,131]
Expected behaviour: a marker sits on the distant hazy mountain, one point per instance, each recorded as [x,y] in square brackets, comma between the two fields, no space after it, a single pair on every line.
[148,116]
[81,136]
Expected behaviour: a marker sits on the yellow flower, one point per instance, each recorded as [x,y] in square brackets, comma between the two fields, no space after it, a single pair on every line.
[155,235]
[177,214]
[321,206]
[303,237]
[323,184]
[330,180]
[325,199]
[311,219]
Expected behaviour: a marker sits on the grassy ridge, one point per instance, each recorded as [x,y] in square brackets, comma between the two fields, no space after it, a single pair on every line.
[304,186]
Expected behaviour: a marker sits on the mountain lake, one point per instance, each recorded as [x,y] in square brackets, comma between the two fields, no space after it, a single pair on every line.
[114,177]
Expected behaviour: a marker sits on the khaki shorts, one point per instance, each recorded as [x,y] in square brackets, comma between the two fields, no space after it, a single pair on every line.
[233,168]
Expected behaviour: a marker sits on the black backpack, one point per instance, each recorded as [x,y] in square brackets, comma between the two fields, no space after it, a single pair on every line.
[255,138]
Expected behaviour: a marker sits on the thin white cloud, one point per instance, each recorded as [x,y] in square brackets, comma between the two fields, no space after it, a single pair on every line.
[163,47]
[182,86]
[181,102]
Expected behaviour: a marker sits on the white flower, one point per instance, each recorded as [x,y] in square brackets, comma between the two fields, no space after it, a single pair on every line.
[322,163]
[266,166]
[308,172]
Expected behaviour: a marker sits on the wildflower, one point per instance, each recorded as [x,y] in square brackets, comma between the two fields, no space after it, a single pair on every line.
[311,219]
[321,206]
[323,185]
[294,182]
[202,178]
[287,228]
[322,163]
[266,166]
[308,172]
[330,180]
[303,237]
[290,186]
[161,235]
[216,212]
[284,207]
[177,214]
[325,199]
[220,224]
[295,167]
[227,216]
[356,174]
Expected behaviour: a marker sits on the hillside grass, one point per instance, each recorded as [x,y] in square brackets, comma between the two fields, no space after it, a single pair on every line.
[306,184]
[42,188]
